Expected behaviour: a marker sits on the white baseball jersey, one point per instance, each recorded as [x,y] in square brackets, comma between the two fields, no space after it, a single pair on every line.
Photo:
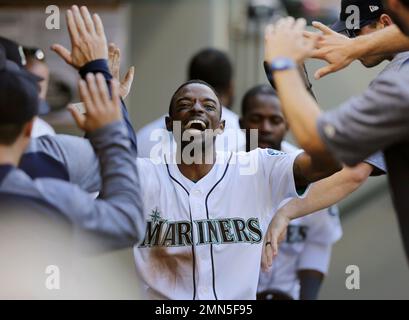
[308,246]
[203,240]
[154,140]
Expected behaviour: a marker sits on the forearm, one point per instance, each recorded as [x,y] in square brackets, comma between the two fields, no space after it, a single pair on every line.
[300,109]
[101,66]
[387,41]
[327,192]
[117,208]
[117,165]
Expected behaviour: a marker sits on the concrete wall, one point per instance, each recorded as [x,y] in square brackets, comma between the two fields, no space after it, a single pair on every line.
[164,36]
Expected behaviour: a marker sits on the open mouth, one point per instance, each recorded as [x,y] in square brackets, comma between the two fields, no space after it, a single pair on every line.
[196,125]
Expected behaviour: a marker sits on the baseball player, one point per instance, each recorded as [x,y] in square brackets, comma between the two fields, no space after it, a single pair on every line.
[297,272]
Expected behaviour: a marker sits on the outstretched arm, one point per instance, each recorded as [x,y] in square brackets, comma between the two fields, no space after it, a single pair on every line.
[89,52]
[321,195]
[300,108]
[361,120]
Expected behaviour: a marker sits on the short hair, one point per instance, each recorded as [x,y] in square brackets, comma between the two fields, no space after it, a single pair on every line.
[212,66]
[195,81]
[260,89]
[9,132]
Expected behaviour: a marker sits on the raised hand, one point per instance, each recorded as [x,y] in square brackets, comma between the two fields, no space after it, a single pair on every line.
[88,40]
[333,48]
[276,233]
[100,109]
[285,39]
[114,62]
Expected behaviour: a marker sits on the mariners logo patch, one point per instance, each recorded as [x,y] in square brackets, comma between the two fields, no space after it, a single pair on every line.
[273,152]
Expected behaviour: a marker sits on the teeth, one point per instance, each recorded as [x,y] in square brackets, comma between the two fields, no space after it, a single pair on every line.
[190,123]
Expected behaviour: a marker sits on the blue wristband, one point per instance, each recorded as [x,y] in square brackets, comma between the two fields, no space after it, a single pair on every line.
[282,63]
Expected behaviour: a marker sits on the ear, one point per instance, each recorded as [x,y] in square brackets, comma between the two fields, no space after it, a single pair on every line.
[386,20]
[169,124]
[28,128]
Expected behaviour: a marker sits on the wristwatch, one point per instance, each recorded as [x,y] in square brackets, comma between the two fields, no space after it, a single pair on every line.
[277,65]
[281,64]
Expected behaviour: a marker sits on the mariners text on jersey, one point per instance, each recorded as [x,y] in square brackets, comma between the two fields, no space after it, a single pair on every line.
[164,233]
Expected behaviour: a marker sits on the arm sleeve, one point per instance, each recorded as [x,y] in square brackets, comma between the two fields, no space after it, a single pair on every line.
[377,161]
[278,168]
[368,123]
[116,212]
[101,66]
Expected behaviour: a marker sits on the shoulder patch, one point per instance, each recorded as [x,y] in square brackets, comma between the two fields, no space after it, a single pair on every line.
[273,152]
[333,211]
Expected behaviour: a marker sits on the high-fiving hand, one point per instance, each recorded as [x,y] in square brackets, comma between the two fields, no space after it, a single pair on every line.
[114,62]
[285,39]
[332,47]
[88,40]
[100,109]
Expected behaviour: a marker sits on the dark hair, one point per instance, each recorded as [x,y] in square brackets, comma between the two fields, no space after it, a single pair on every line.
[212,66]
[260,89]
[10,132]
[195,81]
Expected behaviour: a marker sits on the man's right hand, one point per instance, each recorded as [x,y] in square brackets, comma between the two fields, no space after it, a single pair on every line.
[88,40]
[100,109]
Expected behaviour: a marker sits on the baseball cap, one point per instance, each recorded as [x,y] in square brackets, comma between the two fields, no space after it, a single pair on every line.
[369,11]
[18,92]
[14,52]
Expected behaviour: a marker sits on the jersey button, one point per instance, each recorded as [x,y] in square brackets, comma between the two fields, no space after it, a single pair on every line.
[197,192]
